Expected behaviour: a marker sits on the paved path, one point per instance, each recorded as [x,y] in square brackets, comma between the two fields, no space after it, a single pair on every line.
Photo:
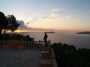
[19,58]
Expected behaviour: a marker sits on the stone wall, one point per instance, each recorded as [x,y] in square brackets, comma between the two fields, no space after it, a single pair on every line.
[13,44]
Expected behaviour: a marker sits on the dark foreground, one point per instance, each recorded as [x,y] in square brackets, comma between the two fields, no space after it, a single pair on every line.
[69,56]
[22,58]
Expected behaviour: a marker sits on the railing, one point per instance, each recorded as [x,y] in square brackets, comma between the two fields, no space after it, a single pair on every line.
[35,44]
[31,44]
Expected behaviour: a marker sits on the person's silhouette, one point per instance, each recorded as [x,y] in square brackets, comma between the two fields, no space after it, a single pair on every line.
[45,39]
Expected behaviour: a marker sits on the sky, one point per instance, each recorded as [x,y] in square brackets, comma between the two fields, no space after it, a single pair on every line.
[49,14]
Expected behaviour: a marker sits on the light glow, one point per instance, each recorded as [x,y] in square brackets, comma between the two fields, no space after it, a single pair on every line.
[18,31]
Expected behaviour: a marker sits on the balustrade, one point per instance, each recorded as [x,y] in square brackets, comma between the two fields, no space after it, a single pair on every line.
[30,44]
[34,44]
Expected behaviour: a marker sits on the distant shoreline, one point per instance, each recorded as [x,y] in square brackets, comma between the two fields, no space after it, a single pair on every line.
[83,33]
[50,32]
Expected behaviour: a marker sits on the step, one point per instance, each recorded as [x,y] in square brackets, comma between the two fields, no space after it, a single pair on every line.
[46,63]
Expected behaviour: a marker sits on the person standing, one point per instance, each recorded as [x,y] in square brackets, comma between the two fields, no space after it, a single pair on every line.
[45,39]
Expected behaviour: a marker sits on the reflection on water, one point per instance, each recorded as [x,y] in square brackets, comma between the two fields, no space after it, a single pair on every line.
[79,40]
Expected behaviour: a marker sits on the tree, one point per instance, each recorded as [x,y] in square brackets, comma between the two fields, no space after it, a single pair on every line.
[7,23]
[12,23]
[3,22]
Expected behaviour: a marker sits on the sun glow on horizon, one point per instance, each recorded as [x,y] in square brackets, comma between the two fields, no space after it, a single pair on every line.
[18,31]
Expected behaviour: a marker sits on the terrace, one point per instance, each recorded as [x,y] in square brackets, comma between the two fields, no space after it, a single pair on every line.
[26,54]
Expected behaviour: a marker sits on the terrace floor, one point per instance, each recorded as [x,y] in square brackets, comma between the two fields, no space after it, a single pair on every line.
[20,58]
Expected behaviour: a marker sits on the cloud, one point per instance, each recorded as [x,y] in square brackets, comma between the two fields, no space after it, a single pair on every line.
[55,10]
[68,17]
[52,16]
[22,25]
[57,14]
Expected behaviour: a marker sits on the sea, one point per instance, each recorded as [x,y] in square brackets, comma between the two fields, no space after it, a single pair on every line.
[71,38]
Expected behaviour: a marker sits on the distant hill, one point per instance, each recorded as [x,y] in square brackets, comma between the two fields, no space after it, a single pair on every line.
[83,32]
[50,32]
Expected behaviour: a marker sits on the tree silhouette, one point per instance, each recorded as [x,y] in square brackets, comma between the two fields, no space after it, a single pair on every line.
[12,23]
[69,56]
[7,23]
[3,22]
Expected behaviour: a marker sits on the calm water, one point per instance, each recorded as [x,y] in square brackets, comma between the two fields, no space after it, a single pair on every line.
[79,40]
